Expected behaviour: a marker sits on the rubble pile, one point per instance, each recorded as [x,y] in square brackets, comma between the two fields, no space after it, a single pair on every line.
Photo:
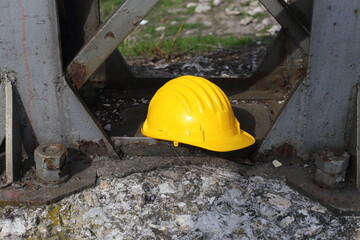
[180,202]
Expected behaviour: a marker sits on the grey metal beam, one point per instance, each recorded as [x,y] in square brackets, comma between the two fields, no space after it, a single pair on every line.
[51,111]
[357,164]
[2,112]
[13,146]
[282,13]
[317,116]
[107,39]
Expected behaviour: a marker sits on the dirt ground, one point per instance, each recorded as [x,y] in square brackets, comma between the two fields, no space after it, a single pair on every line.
[238,18]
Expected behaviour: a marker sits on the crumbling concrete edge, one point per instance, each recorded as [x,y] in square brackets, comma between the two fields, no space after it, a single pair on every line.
[120,169]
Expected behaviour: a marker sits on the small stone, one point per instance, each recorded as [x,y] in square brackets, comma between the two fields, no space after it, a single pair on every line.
[318,209]
[160,28]
[166,188]
[278,201]
[181,204]
[276,163]
[91,199]
[254,11]
[245,21]
[203,8]
[42,229]
[171,174]
[15,227]
[107,127]
[104,185]
[274,29]
[232,11]
[185,222]
[158,227]
[191,4]
[217,2]
[207,23]
[287,221]
[254,4]
[265,21]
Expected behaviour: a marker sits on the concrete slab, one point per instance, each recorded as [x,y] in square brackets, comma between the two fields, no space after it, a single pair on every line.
[33,192]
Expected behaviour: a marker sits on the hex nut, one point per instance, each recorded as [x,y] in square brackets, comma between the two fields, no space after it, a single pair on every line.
[332,161]
[50,156]
[49,176]
[49,160]
[329,179]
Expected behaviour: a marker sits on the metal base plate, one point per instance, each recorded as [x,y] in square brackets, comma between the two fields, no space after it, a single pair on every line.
[31,192]
[342,201]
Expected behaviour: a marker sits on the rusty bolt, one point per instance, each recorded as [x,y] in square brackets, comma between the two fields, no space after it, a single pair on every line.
[331,161]
[49,160]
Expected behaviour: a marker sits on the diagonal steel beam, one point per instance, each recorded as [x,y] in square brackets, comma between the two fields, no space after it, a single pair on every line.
[107,39]
[296,29]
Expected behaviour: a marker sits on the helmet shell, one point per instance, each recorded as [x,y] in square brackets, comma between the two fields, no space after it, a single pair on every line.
[194,111]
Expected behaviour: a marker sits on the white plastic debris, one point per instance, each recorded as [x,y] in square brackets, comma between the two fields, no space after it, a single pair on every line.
[276,163]
[144,22]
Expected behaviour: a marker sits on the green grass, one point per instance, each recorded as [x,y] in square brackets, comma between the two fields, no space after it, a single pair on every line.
[108,6]
[178,37]
[183,45]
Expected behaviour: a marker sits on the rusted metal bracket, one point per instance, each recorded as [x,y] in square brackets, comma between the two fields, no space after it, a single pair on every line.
[283,14]
[107,39]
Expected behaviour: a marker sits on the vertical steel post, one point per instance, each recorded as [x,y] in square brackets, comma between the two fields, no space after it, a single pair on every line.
[317,113]
[2,111]
[51,112]
[13,157]
[357,164]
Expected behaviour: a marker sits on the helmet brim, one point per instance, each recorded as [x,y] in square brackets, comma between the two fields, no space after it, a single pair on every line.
[232,143]
[236,142]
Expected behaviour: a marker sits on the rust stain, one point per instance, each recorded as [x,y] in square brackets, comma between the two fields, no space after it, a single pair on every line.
[13,194]
[90,147]
[109,35]
[286,150]
[77,73]
[27,66]
[50,163]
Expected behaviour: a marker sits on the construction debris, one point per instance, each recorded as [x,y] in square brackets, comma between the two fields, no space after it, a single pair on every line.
[192,202]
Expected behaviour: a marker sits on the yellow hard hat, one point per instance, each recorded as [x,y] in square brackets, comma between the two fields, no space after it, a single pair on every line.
[194,111]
